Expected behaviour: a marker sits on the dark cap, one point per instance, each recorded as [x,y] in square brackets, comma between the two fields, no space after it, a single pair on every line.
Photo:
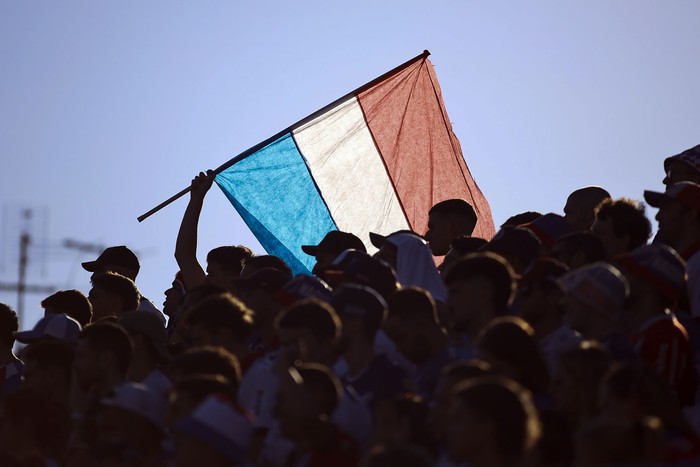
[687,193]
[303,286]
[373,273]
[548,228]
[359,301]
[689,156]
[114,256]
[58,326]
[516,242]
[268,279]
[657,265]
[379,239]
[544,270]
[335,242]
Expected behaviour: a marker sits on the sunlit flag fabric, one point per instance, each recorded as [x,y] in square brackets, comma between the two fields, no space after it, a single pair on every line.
[375,160]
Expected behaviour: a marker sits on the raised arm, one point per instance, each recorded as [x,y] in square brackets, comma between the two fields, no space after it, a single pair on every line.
[186,246]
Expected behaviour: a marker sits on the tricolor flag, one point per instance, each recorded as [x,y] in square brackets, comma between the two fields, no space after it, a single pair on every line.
[375,160]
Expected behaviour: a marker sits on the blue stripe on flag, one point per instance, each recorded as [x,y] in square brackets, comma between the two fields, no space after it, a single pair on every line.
[275,195]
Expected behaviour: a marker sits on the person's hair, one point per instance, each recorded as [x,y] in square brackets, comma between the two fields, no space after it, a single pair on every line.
[222,311]
[586,243]
[455,207]
[230,258]
[465,244]
[9,324]
[322,384]
[195,296]
[413,303]
[318,317]
[120,286]
[70,302]
[110,337]
[208,360]
[510,339]
[628,218]
[522,218]
[200,385]
[509,406]
[403,455]
[494,269]
[592,196]
[55,354]
[268,261]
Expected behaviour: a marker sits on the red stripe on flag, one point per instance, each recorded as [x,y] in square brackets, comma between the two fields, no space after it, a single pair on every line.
[408,121]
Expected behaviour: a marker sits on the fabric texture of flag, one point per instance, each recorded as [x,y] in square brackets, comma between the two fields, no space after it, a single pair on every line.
[375,160]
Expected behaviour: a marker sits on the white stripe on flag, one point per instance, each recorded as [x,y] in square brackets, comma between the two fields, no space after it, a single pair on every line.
[349,172]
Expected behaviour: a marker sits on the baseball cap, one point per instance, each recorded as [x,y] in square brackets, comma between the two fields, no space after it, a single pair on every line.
[599,285]
[658,265]
[268,279]
[114,256]
[543,270]
[689,156]
[548,228]
[373,273]
[514,241]
[138,399]
[358,267]
[58,326]
[359,301]
[220,425]
[303,286]
[379,239]
[150,326]
[179,283]
[687,193]
[335,242]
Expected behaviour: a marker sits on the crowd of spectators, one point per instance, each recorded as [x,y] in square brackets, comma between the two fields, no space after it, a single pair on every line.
[564,340]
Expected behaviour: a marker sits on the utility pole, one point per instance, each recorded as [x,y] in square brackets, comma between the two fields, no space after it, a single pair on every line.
[21,286]
[24,240]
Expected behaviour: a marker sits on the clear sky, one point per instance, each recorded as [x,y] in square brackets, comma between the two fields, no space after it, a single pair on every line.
[109,107]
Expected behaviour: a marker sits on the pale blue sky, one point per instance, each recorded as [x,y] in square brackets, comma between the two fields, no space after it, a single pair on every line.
[109,107]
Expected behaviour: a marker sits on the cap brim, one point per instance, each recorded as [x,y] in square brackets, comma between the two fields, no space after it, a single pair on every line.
[90,266]
[377,239]
[655,199]
[310,249]
[26,337]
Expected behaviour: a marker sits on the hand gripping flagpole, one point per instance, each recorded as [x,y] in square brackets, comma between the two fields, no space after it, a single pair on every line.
[301,122]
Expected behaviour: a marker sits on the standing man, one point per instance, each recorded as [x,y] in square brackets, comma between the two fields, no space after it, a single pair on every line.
[679,228]
[448,220]
[224,263]
[580,207]
[121,260]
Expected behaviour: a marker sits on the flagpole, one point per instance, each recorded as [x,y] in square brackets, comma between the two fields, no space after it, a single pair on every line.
[278,135]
